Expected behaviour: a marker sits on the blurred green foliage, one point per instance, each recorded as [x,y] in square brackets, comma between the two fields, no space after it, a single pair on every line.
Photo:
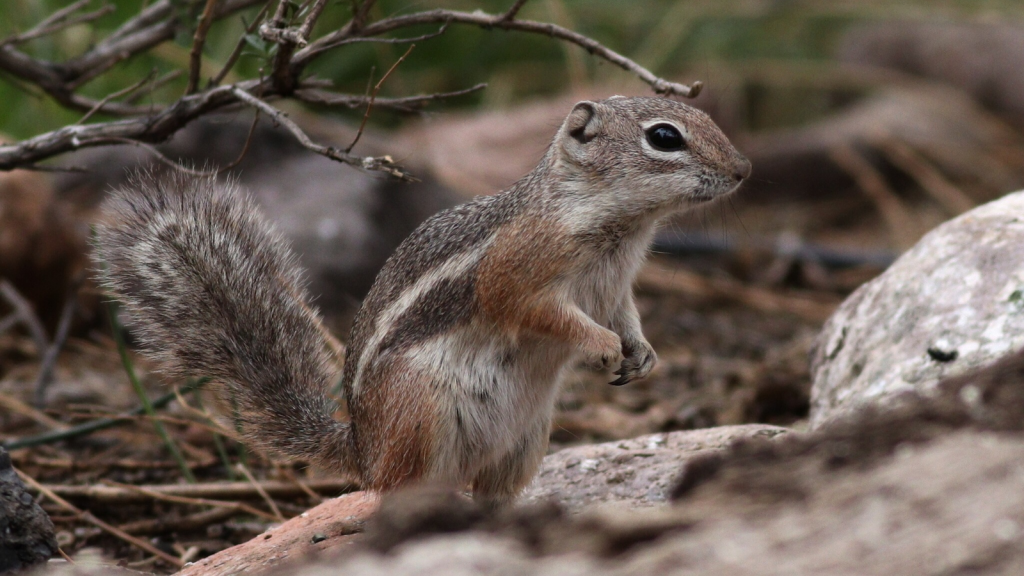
[710,40]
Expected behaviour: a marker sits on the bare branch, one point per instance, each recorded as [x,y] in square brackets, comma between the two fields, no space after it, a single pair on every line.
[59,21]
[510,14]
[307,26]
[28,316]
[154,25]
[55,18]
[373,96]
[405,104]
[382,164]
[152,150]
[118,94]
[245,147]
[9,321]
[165,79]
[359,14]
[198,41]
[154,128]
[444,27]
[45,376]
[237,52]
[483,20]
[287,39]
[157,23]
[150,15]
[58,169]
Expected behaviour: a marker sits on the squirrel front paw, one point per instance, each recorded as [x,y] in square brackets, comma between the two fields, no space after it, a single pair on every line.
[604,350]
[638,361]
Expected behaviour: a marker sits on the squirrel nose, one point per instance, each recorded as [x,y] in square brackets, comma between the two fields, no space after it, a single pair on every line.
[741,170]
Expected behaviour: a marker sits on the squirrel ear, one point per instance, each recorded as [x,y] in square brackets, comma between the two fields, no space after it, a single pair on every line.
[584,122]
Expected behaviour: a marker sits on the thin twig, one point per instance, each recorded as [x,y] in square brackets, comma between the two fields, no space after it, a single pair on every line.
[358,39]
[373,96]
[55,18]
[9,321]
[237,52]
[159,82]
[510,14]
[28,316]
[87,427]
[123,92]
[45,376]
[259,489]
[404,104]
[301,484]
[19,407]
[192,522]
[99,462]
[383,164]
[212,424]
[88,517]
[307,26]
[954,200]
[155,25]
[156,495]
[902,226]
[245,147]
[212,490]
[59,21]
[152,150]
[359,14]
[58,169]
[198,41]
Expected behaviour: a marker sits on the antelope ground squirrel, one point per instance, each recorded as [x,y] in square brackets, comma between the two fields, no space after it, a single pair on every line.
[455,357]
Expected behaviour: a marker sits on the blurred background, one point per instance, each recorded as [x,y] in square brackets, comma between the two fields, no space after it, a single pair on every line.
[868,123]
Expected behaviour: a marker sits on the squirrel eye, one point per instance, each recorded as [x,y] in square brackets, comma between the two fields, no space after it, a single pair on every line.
[665,137]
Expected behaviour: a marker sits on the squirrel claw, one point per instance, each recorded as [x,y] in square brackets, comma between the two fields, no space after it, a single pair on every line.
[638,361]
[621,380]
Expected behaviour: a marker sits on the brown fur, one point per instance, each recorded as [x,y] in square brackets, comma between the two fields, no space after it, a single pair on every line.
[508,296]
[395,442]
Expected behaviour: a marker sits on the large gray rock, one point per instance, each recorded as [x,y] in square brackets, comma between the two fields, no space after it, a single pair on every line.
[637,473]
[954,302]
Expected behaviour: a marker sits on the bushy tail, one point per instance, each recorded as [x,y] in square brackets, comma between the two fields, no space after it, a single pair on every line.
[212,290]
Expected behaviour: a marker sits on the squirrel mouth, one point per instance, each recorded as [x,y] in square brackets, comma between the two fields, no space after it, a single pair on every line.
[714,192]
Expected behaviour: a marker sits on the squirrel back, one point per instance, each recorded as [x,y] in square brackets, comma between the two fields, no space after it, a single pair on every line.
[212,290]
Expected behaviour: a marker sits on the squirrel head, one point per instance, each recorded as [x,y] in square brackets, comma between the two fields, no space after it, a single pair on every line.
[652,154]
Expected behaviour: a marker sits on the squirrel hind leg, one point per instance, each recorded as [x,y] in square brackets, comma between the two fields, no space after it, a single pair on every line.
[498,484]
[397,422]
